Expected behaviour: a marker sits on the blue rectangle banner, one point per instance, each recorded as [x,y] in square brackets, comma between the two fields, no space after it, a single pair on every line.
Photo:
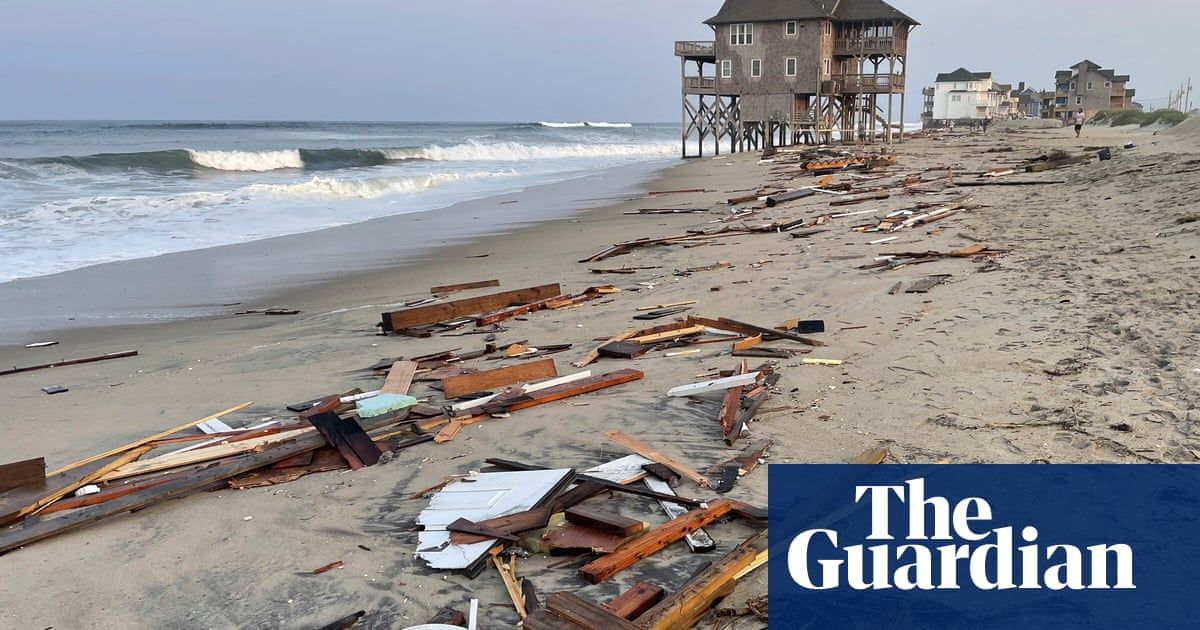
[942,547]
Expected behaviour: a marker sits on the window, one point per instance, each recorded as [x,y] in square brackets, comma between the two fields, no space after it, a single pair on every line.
[845,67]
[789,28]
[726,69]
[956,97]
[741,34]
[756,67]
[1089,85]
[828,27]
[790,67]
[825,65]
[1108,84]
[1079,100]
[1072,86]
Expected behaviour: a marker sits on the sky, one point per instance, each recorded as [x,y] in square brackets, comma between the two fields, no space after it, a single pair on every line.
[492,60]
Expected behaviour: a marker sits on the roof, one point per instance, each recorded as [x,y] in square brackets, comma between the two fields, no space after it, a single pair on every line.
[778,10]
[962,74]
[1087,63]
[1062,74]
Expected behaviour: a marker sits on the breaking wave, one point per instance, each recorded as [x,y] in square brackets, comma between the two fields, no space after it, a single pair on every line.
[562,125]
[610,125]
[182,160]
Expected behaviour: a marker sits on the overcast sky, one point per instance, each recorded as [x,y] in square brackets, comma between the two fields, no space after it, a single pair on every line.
[513,60]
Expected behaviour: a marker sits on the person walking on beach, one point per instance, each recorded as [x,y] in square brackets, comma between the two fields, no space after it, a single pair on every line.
[986,121]
[1078,122]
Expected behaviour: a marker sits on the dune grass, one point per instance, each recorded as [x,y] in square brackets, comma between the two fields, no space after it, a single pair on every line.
[1119,117]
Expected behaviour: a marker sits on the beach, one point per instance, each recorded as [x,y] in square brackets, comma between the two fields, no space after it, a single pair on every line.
[1077,343]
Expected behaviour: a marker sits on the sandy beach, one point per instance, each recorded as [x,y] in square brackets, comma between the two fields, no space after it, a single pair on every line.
[1080,344]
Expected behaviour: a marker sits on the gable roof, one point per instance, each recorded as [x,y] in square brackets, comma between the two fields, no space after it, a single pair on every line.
[962,74]
[779,10]
[1087,63]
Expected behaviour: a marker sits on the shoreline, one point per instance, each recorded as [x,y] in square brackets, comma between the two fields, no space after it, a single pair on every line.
[212,282]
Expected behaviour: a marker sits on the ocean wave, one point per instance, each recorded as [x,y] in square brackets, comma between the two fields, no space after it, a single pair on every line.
[247,160]
[562,125]
[609,125]
[105,208]
[516,151]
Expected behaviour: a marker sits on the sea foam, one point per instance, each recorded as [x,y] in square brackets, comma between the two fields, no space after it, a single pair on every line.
[247,160]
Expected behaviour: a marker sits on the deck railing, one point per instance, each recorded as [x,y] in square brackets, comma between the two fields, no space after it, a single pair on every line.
[851,45]
[695,85]
[851,83]
[695,49]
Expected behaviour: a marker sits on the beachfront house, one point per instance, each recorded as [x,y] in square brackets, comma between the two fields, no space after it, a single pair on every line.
[784,72]
[964,98]
[1089,87]
[1029,101]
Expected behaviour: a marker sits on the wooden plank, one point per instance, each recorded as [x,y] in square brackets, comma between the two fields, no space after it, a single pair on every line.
[219,451]
[536,518]
[13,501]
[747,343]
[433,313]
[585,614]
[653,541]
[464,286]
[595,353]
[688,604]
[652,454]
[524,400]
[623,350]
[146,440]
[669,335]
[500,315]
[871,456]
[508,575]
[611,485]
[29,472]
[925,284]
[199,479]
[464,526]
[348,437]
[729,409]
[59,493]
[751,329]
[605,521]
[65,362]
[714,385]
[399,378]
[463,384]
[636,600]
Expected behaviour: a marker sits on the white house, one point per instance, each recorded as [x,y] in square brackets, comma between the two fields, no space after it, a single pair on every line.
[963,96]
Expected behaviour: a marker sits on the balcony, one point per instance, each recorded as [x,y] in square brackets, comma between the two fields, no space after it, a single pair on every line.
[864,84]
[701,51]
[864,45]
[700,85]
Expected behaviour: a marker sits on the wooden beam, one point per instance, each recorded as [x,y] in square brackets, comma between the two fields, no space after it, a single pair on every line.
[871,456]
[65,362]
[200,479]
[637,600]
[653,541]
[146,440]
[399,378]
[463,384]
[669,335]
[524,400]
[612,523]
[652,454]
[434,313]
[348,437]
[585,614]
[595,353]
[27,472]
[464,286]
[59,493]
[744,328]
[685,606]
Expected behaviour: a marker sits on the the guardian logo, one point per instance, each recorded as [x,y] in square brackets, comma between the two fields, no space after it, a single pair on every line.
[948,547]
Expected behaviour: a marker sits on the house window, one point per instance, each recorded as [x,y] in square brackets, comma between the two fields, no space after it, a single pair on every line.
[1072,86]
[741,34]
[756,67]
[726,69]
[956,98]
[789,28]
[790,67]
[1079,100]
[828,26]
[825,65]
[1089,85]
[1108,84]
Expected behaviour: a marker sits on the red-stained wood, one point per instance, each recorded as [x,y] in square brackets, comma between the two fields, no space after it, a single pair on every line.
[637,600]
[463,384]
[434,313]
[524,400]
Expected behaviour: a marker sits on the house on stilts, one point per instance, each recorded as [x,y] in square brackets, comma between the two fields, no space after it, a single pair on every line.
[782,72]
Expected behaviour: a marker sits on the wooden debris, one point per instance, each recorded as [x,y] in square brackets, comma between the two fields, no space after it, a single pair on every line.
[348,437]
[622,526]
[925,284]
[714,385]
[683,608]
[66,362]
[747,343]
[652,454]
[871,456]
[744,328]
[522,400]
[636,600]
[399,378]
[508,575]
[623,349]
[465,526]
[689,331]
[328,567]
[567,611]
[29,472]
[594,354]
[454,288]
[653,541]
[458,386]
[433,313]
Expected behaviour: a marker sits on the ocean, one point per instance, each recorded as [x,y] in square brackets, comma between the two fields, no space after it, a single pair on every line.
[76,194]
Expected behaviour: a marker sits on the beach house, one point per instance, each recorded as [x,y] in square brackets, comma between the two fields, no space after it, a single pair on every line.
[1089,87]
[794,71]
[965,97]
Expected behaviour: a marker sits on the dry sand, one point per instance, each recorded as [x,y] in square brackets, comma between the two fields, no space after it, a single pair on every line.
[1101,287]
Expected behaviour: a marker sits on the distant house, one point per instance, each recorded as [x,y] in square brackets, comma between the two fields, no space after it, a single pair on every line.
[964,97]
[788,71]
[1089,87]
[1029,101]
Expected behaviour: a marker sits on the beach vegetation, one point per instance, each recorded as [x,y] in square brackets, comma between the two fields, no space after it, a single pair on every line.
[1120,117]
